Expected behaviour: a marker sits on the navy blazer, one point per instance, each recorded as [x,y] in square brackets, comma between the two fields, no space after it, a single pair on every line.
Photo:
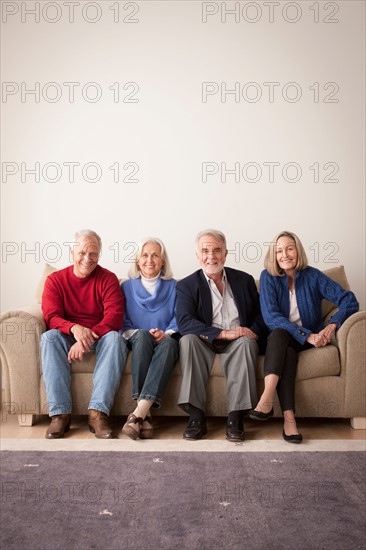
[194,305]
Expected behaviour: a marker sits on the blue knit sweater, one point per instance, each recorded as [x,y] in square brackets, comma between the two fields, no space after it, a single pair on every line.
[311,287]
[144,310]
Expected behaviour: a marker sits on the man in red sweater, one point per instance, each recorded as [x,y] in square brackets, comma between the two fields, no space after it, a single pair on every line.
[83,307]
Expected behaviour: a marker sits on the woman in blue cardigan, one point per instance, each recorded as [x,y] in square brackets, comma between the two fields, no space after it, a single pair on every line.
[149,324]
[291,296]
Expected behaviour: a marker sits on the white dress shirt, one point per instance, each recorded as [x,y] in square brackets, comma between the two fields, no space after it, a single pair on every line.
[225,314]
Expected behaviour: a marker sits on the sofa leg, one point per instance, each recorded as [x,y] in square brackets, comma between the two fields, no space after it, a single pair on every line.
[25,419]
[358,423]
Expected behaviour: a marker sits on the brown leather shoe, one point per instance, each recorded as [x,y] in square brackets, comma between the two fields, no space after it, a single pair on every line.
[60,424]
[146,430]
[129,430]
[99,425]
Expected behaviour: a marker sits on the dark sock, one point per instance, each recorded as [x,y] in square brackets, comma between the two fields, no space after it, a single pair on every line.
[235,416]
[195,413]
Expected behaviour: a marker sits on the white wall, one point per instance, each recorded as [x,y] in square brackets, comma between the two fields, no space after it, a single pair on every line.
[172,128]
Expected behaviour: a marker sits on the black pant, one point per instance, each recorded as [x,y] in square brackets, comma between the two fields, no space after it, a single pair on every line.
[281,359]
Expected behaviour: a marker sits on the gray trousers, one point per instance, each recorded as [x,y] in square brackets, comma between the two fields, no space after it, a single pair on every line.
[239,363]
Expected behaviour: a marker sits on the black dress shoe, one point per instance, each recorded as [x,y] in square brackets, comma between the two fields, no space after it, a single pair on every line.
[196,429]
[235,430]
[258,415]
[297,438]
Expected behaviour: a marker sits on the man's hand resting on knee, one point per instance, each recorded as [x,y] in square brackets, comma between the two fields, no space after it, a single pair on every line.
[85,338]
[236,333]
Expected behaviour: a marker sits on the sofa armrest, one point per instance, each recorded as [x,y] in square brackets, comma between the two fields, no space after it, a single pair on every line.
[352,349]
[20,358]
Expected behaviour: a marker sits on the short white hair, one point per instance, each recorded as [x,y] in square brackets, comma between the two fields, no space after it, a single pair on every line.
[87,233]
[219,235]
[166,272]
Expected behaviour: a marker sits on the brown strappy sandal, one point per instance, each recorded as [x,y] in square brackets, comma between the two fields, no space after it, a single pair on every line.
[147,433]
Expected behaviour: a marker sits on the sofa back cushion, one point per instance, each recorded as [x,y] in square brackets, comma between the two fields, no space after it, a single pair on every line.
[47,270]
[338,275]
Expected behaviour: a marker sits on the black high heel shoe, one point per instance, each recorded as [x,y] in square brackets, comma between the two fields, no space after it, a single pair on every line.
[297,438]
[258,415]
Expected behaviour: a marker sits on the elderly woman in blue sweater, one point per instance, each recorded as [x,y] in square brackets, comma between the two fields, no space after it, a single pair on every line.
[291,296]
[149,324]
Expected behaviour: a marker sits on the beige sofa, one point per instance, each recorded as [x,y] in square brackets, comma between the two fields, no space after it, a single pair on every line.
[330,381]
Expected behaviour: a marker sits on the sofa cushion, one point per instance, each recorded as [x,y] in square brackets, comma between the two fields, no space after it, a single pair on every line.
[47,270]
[87,365]
[317,362]
[338,275]
[313,363]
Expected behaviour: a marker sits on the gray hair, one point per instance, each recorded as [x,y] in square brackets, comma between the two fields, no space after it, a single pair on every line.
[211,233]
[166,271]
[87,233]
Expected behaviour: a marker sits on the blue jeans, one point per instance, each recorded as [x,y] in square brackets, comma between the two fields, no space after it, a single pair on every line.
[152,365]
[111,356]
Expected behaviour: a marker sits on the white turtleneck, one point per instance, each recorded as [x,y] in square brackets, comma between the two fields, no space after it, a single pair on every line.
[150,284]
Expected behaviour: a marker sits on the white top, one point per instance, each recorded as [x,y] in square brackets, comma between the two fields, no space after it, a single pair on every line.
[150,284]
[294,316]
[224,311]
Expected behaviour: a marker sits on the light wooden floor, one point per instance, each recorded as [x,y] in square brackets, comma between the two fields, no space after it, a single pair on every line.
[171,428]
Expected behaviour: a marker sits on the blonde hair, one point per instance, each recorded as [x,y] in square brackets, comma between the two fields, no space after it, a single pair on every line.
[166,272]
[270,260]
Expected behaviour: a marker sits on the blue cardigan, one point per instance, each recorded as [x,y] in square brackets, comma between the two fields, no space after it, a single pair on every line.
[311,287]
[144,310]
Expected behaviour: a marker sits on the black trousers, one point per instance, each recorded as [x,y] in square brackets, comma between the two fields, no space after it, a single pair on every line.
[281,359]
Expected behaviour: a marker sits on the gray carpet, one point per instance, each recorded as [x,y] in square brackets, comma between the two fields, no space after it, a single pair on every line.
[127,501]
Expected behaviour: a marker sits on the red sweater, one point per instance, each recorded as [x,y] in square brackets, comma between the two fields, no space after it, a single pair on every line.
[95,302]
